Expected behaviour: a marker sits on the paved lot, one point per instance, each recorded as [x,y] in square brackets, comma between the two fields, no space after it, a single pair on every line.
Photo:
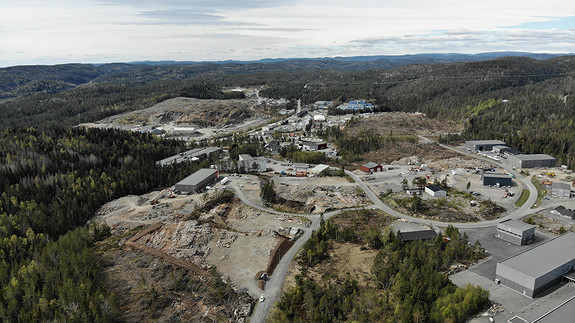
[512,302]
[497,249]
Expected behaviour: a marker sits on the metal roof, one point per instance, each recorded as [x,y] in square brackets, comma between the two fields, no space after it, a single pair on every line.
[496,175]
[544,258]
[434,188]
[418,235]
[559,185]
[486,142]
[561,313]
[319,168]
[534,157]
[197,177]
[371,165]
[521,226]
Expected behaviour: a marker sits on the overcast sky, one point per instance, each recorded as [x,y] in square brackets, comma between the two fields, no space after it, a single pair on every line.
[98,31]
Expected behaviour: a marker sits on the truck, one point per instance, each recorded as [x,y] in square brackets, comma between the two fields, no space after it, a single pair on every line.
[225,180]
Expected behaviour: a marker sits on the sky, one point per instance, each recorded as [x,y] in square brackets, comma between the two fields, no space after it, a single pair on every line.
[102,31]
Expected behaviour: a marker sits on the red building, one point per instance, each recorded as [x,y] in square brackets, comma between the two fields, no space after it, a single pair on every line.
[371,167]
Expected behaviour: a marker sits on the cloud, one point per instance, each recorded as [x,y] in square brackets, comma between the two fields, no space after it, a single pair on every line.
[184,17]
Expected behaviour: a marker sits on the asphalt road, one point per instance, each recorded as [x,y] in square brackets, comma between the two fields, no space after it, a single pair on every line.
[273,286]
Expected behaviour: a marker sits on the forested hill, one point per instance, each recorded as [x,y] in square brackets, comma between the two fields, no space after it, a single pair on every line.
[21,81]
[526,102]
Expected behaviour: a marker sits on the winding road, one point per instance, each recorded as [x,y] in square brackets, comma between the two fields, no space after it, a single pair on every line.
[274,284]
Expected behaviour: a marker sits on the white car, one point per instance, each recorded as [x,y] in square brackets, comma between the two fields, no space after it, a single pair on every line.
[262,298]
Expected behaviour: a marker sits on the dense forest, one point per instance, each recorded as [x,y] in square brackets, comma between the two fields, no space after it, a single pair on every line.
[407,283]
[509,98]
[53,180]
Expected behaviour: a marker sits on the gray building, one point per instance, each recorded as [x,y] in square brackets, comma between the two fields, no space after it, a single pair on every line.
[516,232]
[483,145]
[190,155]
[531,161]
[417,235]
[533,271]
[561,190]
[496,179]
[197,181]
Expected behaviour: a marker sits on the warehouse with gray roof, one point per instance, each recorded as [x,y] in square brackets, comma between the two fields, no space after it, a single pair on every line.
[197,181]
[496,179]
[535,270]
[531,161]
[483,145]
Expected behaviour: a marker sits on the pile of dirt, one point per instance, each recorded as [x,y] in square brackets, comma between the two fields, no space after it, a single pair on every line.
[150,290]
[187,240]
[320,199]
[190,112]
[401,123]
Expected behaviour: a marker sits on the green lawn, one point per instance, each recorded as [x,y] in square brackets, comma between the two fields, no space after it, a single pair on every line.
[523,198]
[541,191]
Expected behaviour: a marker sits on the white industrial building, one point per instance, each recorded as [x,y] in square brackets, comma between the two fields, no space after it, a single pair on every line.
[253,164]
[435,191]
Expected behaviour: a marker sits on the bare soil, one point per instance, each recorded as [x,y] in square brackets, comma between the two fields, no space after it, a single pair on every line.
[400,123]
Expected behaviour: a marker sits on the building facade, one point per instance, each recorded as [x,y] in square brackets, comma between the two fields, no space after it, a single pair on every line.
[371,167]
[561,190]
[496,179]
[483,145]
[435,191]
[197,181]
[516,232]
[533,271]
[531,161]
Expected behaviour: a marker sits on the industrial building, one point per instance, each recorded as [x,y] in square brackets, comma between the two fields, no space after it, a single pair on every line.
[564,212]
[516,232]
[311,145]
[531,161]
[561,190]
[483,145]
[190,155]
[505,151]
[250,163]
[197,181]
[535,270]
[435,191]
[496,179]
[371,167]
[417,235]
[319,169]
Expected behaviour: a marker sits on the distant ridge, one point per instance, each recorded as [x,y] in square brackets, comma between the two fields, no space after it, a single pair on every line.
[409,58]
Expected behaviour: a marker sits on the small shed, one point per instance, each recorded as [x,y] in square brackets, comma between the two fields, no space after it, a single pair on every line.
[561,190]
[371,167]
[435,191]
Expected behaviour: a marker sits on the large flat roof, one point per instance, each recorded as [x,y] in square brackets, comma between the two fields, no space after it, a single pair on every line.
[560,185]
[544,258]
[486,142]
[562,313]
[522,226]
[496,175]
[534,157]
[197,177]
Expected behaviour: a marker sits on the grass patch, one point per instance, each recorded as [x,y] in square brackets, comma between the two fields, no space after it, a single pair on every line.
[541,191]
[523,198]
